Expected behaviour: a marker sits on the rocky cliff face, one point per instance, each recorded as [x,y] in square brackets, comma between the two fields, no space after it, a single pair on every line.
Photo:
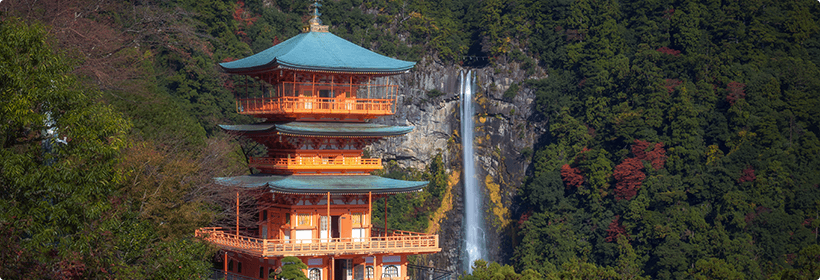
[505,126]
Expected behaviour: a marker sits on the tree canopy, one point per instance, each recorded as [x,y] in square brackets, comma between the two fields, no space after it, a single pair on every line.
[60,176]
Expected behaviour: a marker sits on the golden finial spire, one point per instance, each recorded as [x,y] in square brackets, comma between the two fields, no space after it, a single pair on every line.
[315,24]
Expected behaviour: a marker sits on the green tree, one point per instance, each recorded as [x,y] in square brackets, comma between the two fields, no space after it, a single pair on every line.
[484,271]
[577,269]
[713,268]
[292,269]
[60,147]
[545,190]
[59,150]
[60,172]
[549,240]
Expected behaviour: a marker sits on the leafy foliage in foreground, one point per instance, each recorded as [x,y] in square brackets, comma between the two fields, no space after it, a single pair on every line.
[60,155]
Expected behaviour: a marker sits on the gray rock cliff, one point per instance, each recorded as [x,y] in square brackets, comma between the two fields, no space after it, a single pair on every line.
[505,126]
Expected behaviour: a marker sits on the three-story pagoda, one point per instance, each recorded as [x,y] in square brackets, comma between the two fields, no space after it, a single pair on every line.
[319,93]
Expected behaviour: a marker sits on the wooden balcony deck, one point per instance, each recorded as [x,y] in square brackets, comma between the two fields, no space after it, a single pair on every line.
[298,107]
[317,164]
[390,241]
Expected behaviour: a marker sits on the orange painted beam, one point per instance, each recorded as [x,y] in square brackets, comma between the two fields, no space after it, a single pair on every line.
[318,164]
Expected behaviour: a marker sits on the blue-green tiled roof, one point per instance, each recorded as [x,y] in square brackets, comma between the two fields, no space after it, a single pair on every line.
[322,129]
[321,51]
[323,183]
[248,127]
[346,129]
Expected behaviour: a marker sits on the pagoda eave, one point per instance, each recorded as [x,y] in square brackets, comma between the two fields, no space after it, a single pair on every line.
[319,52]
[318,129]
[274,66]
[313,184]
[344,70]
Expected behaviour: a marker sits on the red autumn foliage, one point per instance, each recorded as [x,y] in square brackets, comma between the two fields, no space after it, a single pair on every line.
[243,17]
[581,155]
[629,175]
[656,157]
[73,269]
[759,210]
[668,51]
[790,258]
[671,84]
[615,229]
[524,218]
[239,14]
[668,14]
[748,175]
[575,35]
[736,92]
[572,176]
[639,148]
[228,84]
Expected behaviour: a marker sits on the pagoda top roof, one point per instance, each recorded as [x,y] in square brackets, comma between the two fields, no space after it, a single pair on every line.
[319,51]
[321,184]
[321,129]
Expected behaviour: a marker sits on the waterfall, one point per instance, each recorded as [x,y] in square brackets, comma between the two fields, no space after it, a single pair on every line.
[474,243]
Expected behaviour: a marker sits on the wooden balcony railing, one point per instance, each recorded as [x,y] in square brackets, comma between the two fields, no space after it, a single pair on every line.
[295,107]
[311,164]
[393,242]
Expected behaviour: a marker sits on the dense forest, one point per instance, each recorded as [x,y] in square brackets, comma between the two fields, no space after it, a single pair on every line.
[682,139]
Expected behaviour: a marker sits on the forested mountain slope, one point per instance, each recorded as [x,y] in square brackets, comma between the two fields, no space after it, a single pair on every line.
[687,128]
[682,138]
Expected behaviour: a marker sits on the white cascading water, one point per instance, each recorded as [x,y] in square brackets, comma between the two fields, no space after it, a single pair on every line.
[474,243]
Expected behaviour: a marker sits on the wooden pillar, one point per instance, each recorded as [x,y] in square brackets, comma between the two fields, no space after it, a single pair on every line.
[385,217]
[226,265]
[376,269]
[329,235]
[237,214]
[270,90]
[370,208]
[395,96]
